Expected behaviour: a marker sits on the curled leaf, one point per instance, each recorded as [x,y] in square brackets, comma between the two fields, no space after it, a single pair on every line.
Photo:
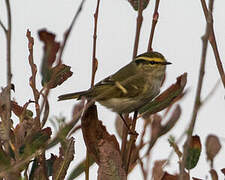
[194,152]
[165,98]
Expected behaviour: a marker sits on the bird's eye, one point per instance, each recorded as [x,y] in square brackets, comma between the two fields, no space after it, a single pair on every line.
[152,62]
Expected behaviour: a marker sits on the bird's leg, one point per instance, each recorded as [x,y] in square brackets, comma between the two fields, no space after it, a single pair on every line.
[128,128]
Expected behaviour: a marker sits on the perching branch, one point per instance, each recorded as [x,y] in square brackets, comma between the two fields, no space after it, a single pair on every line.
[199,88]
[154,22]
[133,125]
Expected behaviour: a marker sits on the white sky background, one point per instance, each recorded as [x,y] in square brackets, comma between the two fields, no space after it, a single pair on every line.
[178,36]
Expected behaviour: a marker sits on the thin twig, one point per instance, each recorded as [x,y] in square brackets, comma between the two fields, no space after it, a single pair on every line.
[9,74]
[144,172]
[6,122]
[213,90]
[94,59]
[199,88]
[33,67]
[212,40]
[94,68]
[68,31]
[138,27]
[154,22]
[59,60]
[3,27]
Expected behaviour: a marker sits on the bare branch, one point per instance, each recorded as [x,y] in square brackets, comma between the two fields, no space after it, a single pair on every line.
[3,27]
[199,88]
[154,22]
[68,31]
[212,40]
[94,59]
[138,28]
[213,90]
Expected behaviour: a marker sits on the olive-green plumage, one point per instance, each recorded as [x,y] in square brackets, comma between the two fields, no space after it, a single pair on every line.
[131,87]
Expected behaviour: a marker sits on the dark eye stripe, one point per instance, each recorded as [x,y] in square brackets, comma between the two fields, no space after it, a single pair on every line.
[142,61]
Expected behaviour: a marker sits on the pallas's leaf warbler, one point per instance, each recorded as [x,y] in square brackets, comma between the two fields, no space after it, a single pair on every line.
[129,88]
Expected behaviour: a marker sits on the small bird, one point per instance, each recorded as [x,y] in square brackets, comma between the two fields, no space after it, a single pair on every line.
[131,87]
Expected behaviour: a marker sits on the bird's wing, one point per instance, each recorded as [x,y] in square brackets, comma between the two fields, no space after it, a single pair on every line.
[124,83]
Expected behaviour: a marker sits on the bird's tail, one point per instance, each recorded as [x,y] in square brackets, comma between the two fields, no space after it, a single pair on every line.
[76,95]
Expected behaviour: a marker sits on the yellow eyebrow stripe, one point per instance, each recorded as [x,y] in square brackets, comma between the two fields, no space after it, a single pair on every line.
[150,59]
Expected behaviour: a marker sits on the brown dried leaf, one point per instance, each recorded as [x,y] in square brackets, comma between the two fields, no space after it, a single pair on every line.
[183,94]
[51,47]
[213,174]
[135,4]
[103,147]
[18,110]
[33,66]
[213,146]
[21,112]
[172,121]
[21,131]
[165,98]
[158,130]
[78,109]
[157,171]
[59,74]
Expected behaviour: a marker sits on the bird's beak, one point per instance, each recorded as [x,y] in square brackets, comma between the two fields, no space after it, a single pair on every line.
[167,63]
